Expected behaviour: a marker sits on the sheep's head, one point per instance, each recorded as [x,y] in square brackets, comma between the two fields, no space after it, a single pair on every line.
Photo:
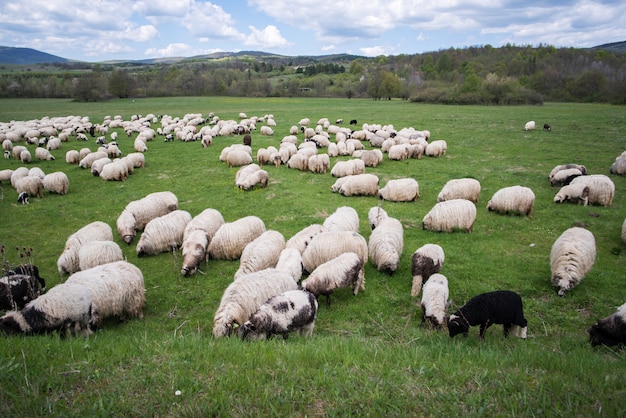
[564,282]
[13,322]
[600,334]
[457,325]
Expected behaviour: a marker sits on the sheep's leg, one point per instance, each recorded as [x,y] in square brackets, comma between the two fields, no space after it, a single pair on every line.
[506,328]
[483,328]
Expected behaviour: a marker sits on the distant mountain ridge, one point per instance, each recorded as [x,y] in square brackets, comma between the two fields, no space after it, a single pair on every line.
[28,56]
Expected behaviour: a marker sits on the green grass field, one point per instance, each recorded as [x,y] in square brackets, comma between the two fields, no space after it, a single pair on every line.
[369,354]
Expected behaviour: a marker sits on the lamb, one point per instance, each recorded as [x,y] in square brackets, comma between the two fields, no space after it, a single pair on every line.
[261,253]
[601,188]
[301,239]
[357,185]
[96,253]
[400,190]
[611,330]
[67,306]
[43,154]
[426,261]
[293,310]
[117,290]
[243,297]
[463,188]
[138,213]
[530,126]
[328,245]
[68,261]
[375,215]
[196,237]
[344,218]
[436,148]
[386,244]
[164,233]
[450,216]
[513,199]
[348,168]
[290,260]
[56,182]
[572,256]
[31,185]
[498,307]
[345,270]
[575,193]
[435,300]
[232,237]
[16,290]
[117,170]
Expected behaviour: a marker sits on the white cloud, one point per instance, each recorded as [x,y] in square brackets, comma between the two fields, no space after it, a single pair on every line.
[328,47]
[374,51]
[210,21]
[269,37]
[172,50]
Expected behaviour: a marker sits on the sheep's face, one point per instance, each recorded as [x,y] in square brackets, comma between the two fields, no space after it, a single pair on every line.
[601,333]
[456,325]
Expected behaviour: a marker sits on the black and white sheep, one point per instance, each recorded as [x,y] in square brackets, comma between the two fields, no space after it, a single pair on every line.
[261,253]
[513,199]
[601,188]
[243,297]
[138,213]
[571,257]
[345,270]
[400,190]
[17,289]
[498,307]
[164,233]
[435,300]
[385,245]
[611,330]
[232,237]
[450,216]
[196,238]
[426,261]
[293,310]
[328,245]
[463,188]
[574,193]
[68,261]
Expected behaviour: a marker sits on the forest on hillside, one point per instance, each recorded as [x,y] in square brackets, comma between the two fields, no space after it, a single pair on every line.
[508,75]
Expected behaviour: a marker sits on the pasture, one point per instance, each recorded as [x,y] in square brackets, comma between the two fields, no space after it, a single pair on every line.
[369,354]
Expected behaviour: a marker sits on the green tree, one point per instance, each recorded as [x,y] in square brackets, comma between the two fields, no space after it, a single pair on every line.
[120,84]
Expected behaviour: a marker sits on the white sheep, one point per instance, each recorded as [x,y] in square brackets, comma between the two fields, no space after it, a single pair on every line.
[243,297]
[299,161]
[344,218]
[619,166]
[65,307]
[117,289]
[116,170]
[426,261]
[357,185]
[290,260]
[436,148]
[293,310]
[25,156]
[139,145]
[301,239]
[96,253]
[43,154]
[53,143]
[244,171]
[529,126]
[572,256]
[238,157]
[138,159]
[513,199]
[574,193]
[17,151]
[463,188]
[450,216]
[371,158]
[72,157]
[18,173]
[345,270]
[164,233]
[68,261]
[435,300]
[138,213]
[261,253]
[319,163]
[375,215]
[232,237]
[400,190]
[565,176]
[348,168]
[36,172]
[96,166]
[196,237]
[86,161]
[386,244]
[5,175]
[398,152]
[29,184]
[251,180]
[601,188]
[56,182]
[624,231]
[328,245]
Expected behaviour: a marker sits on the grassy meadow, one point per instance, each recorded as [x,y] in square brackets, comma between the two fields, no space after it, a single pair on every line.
[369,354]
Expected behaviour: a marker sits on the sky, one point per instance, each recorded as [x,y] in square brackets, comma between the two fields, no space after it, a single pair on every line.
[103,30]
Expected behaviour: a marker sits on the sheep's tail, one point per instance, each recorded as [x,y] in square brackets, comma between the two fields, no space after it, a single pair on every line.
[416,288]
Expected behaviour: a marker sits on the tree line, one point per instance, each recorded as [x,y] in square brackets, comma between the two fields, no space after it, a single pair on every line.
[508,75]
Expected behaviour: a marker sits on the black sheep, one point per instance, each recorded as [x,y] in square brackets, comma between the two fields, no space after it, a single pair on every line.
[497,307]
[610,330]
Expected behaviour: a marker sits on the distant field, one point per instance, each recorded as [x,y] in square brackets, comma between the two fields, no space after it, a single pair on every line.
[369,355]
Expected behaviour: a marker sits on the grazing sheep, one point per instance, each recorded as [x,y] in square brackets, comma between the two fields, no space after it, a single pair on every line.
[68,261]
[619,166]
[344,218]
[345,270]
[530,126]
[463,188]
[25,156]
[138,213]
[96,166]
[244,171]
[245,296]
[5,175]
[299,161]
[56,182]
[497,307]
[53,143]
[23,198]
[301,239]
[88,160]
[18,173]
[319,163]
[357,185]
[43,154]
[261,253]
[375,215]
[137,159]
[572,256]
[562,167]
[238,157]
[436,148]
[400,190]
[293,310]
[426,261]
[196,237]
[72,157]
[601,188]
[290,260]
[164,233]
[36,172]
[611,330]
[450,216]
[16,290]
[574,193]
[256,177]
[328,245]
[564,177]
[386,244]
[371,158]
[348,168]
[31,185]
[232,237]
[435,300]
[513,199]
[117,289]
[67,306]
[96,253]
[139,145]
[116,170]
[547,127]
